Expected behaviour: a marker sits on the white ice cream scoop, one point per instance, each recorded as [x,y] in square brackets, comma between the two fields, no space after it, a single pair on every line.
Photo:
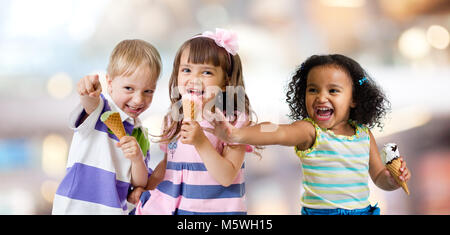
[389,152]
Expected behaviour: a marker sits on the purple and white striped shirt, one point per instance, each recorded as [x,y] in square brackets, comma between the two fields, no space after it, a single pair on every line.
[98,175]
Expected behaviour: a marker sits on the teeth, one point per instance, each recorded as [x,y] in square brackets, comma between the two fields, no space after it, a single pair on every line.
[195,91]
[133,108]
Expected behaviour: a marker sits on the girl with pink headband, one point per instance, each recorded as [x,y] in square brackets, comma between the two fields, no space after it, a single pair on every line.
[199,173]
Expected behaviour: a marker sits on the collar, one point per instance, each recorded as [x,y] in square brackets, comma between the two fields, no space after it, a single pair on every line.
[123,116]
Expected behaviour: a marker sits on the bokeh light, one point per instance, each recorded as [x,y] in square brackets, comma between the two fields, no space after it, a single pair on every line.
[54,155]
[343,3]
[48,190]
[59,86]
[413,43]
[438,37]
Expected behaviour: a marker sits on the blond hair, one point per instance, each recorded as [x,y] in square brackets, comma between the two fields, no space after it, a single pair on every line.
[128,55]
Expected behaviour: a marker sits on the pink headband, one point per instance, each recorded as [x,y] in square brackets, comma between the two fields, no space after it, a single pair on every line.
[223,38]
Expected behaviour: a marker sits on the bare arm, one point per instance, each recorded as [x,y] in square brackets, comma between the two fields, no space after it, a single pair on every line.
[158,174]
[223,168]
[139,173]
[133,152]
[378,171]
[155,178]
[300,134]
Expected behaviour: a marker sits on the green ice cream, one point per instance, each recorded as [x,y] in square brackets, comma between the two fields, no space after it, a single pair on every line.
[106,115]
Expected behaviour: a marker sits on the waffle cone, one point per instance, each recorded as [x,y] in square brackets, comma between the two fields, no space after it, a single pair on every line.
[187,109]
[191,110]
[394,169]
[114,123]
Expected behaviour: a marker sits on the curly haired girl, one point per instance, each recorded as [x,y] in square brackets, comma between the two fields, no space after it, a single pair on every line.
[333,102]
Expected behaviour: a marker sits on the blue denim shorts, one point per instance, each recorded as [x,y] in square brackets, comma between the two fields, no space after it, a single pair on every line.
[369,210]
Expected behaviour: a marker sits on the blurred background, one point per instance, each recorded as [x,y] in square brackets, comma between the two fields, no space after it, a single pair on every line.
[46,46]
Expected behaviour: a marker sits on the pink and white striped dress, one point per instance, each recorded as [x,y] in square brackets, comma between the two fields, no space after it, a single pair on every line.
[188,188]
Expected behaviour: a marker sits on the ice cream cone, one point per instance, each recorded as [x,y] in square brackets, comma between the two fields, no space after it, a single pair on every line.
[114,123]
[191,108]
[394,169]
[192,114]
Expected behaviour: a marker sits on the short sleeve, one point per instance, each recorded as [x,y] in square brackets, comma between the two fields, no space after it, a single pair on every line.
[163,147]
[89,124]
[304,153]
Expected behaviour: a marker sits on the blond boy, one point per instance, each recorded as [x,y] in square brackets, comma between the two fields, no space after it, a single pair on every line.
[101,168]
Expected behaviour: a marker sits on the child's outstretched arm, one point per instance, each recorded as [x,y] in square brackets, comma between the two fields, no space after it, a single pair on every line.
[300,133]
[379,173]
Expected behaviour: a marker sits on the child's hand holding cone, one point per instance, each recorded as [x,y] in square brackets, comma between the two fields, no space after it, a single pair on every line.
[128,144]
[396,166]
[130,148]
[400,173]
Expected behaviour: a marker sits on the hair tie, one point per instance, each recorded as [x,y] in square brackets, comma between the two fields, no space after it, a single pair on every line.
[363,80]
[223,38]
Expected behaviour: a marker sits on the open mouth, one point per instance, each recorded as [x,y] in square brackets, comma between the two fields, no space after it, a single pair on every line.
[196,92]
[323,113]
[134,110]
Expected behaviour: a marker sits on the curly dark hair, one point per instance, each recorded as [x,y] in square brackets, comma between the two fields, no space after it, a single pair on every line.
[371,103]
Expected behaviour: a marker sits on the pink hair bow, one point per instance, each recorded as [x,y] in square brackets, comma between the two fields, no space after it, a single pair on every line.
[223,38]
